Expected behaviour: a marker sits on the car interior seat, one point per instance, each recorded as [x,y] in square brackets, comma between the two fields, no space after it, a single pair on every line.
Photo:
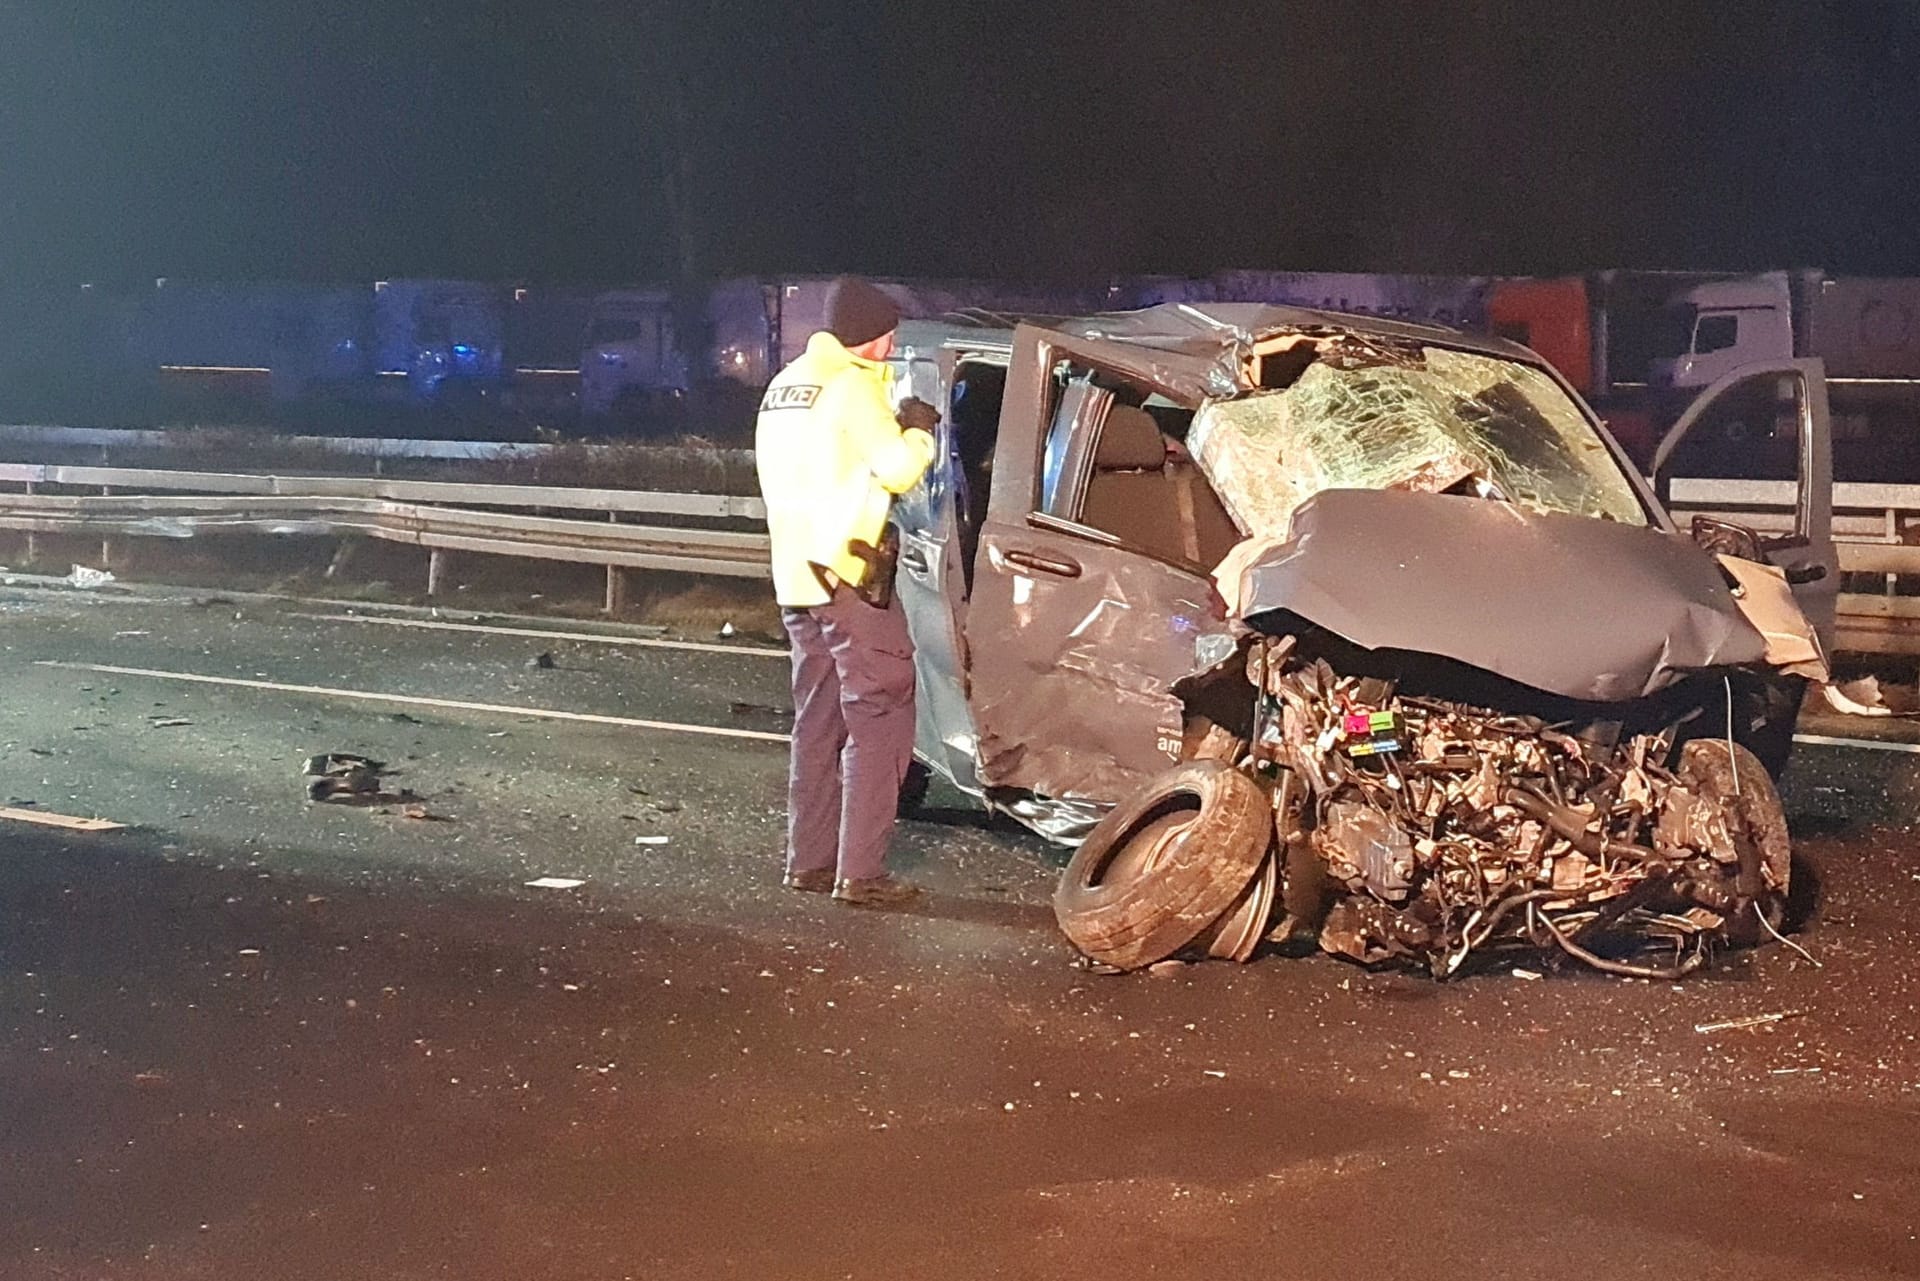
[1146,490]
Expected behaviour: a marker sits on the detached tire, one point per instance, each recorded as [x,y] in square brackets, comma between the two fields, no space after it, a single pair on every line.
[1154,873]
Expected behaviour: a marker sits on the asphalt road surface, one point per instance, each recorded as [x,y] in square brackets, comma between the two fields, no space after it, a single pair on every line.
[253,1037]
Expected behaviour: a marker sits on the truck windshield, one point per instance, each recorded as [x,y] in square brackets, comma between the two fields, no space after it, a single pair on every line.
[1367,416]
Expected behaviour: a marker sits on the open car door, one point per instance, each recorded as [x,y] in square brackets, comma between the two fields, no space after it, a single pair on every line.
[932,582]
[1091,584]
[1728,455]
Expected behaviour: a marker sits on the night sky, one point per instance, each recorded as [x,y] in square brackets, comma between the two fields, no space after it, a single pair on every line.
[1044,139]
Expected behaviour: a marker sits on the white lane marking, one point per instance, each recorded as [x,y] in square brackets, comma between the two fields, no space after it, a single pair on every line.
[415,700]
[1865,744]
[537,634]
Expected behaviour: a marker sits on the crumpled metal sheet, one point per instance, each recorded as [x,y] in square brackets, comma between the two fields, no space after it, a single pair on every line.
[1196,351]
[1793,644]
[1083,669]
[1583,608]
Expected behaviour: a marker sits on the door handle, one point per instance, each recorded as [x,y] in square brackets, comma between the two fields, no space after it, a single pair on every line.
[1043,564]
[914,560]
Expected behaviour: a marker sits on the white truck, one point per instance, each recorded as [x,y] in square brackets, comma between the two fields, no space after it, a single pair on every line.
[1867,332]
[1865,329]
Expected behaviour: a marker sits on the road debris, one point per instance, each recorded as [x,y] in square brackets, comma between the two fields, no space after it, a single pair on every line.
[87,579]
[167,722]
[651,840]
[344,778]
[554,883]
[68,822]
[543,661]
[1869,696]
[1751,1020]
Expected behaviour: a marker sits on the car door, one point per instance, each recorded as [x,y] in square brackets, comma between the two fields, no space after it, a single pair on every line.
[1075,635]
[931,586]
[1758,434]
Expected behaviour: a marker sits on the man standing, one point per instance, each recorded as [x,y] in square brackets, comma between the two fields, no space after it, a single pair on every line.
[831,455]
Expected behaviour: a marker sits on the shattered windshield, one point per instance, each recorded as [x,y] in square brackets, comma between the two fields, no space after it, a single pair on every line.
[1367,416]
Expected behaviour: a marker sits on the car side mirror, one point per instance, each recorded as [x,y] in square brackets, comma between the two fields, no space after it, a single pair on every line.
[1725,538]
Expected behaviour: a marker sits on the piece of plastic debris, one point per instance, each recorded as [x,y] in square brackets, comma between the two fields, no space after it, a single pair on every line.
[650,840]
[1213,1072]
[726,629]
[1751,1020]
[1530,975]
[87,578]
[543,661]
[1166,969]
[43,818]
[554,883]
[168,722]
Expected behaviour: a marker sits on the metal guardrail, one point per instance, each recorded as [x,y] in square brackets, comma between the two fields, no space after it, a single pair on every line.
[1870,520]
[505,520]
[377,447]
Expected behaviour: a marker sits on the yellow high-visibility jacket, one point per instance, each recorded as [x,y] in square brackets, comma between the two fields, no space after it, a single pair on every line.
[830,458]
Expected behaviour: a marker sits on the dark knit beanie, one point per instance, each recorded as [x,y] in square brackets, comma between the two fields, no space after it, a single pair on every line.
[858,313]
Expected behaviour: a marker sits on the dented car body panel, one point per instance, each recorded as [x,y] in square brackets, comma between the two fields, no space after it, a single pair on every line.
[1583,608]
[1058,565]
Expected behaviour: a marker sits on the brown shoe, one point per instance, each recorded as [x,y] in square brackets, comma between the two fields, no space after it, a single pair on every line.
[877,891]
[818,881]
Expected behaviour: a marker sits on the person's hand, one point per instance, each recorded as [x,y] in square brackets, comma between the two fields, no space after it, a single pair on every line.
[915,414]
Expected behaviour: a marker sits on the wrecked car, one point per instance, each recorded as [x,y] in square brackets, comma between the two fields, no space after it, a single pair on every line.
[1364,631]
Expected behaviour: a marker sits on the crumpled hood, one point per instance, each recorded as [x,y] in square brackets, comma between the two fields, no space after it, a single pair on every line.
[1575,606]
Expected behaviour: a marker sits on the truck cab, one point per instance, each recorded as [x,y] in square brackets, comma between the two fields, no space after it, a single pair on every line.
[629,362]
[1724,325]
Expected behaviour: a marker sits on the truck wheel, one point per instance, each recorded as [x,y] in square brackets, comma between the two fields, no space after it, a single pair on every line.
[1709,769]
[1155,872]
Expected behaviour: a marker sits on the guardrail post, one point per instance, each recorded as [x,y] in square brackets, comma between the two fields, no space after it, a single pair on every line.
[436,571]
[106,544]
[1893,536]
[33,539]
[617,590]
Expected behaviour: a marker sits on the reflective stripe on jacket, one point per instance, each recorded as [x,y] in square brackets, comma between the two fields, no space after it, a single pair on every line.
[830,458]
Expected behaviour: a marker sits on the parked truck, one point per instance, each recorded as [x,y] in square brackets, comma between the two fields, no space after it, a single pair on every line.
[1865,330]
[1605,332]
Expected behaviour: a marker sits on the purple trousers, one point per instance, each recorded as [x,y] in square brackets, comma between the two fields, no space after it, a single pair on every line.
[852,733]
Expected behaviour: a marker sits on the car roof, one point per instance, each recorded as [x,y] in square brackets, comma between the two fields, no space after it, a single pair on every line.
[1196,329]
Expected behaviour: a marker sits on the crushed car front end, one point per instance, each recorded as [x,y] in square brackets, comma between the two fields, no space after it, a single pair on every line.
[1494,699]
